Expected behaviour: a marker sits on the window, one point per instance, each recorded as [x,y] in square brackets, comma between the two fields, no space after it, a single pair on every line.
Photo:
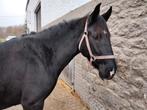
[38,17]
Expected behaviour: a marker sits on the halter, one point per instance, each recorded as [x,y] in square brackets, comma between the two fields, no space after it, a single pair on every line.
[92,56]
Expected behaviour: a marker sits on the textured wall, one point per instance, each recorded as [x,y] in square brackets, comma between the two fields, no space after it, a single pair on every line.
[128,89]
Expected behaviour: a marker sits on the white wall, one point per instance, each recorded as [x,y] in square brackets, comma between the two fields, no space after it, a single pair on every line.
[50,10]
[53,9]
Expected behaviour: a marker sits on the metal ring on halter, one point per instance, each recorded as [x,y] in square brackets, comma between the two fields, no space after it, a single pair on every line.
[93,58]
[85,33]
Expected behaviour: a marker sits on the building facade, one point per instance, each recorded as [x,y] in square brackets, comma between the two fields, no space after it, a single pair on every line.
[40,13]
[128,28]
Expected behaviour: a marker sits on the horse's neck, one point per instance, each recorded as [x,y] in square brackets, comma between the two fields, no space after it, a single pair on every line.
[65,47]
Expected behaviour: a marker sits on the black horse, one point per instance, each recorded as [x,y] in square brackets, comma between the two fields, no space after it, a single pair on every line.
[30,66]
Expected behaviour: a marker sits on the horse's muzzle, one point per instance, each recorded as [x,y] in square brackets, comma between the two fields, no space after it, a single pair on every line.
[108,74]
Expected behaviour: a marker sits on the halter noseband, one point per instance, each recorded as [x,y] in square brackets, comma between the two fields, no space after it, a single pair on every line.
[92,56]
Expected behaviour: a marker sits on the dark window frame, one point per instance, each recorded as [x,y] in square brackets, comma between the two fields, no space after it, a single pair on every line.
[38,17]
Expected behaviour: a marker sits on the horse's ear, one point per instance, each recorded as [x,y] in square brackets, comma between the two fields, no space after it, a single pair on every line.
[107,14]
[94,14]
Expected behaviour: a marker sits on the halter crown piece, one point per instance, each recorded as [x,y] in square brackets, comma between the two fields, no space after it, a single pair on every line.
[92,56]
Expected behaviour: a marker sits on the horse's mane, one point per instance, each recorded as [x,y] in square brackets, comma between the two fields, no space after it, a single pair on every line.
[59,29]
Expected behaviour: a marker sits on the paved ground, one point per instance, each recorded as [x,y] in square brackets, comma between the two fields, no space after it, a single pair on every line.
[61,99]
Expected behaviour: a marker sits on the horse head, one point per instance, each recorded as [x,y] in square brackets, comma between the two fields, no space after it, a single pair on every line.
[95,43]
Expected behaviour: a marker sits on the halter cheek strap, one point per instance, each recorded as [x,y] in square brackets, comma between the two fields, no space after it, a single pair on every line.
[92,56]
